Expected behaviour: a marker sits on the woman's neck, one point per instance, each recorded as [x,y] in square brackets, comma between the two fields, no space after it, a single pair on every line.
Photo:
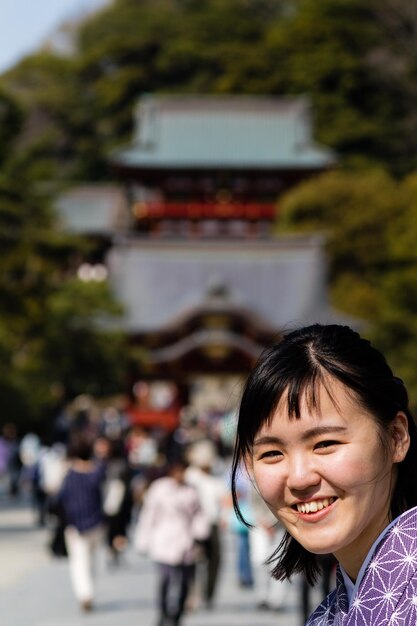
[80,465]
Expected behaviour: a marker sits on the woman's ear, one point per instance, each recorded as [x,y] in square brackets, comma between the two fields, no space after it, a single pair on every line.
[400,437]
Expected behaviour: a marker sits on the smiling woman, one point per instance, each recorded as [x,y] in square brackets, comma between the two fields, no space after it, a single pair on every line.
[327,437]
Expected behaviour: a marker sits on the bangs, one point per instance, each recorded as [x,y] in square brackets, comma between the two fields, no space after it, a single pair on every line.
[303,391]
[289,392]
[306,390]
[288,383]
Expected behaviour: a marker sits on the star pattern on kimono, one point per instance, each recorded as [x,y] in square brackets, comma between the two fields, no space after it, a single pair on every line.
[387,594]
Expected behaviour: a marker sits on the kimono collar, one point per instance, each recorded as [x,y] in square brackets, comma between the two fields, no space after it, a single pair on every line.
[352,588]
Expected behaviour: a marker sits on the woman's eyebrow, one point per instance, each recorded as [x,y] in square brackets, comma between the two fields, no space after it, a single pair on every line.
[322,430]
[267,439]
[308,434]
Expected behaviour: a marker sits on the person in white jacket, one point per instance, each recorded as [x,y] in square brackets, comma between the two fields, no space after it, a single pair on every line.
[170,523]
[265,535]
[212,492]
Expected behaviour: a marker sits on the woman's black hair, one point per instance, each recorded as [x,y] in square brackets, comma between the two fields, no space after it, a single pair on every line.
[295,368]
[80,445]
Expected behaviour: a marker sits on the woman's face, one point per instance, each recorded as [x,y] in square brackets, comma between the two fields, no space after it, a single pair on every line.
[327,476]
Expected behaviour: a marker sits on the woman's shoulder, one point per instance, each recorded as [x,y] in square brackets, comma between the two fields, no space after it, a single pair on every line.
[162,485]
[399,542]
[325,612]
[85,472]
[400,537]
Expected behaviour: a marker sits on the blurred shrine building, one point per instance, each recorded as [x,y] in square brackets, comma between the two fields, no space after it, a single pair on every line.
[186,237]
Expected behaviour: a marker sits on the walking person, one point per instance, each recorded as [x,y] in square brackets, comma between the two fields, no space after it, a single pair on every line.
[265,534]
[240,530]
[170,522]
[211,491]
[326,434]
[118,501]
[52,468]
[80,498]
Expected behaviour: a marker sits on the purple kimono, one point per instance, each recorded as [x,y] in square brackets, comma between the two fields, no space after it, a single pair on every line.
[387,594]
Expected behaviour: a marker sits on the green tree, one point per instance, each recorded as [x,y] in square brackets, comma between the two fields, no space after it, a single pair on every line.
[80,351]
[395,325]
[11,118]
[60,132]
[353,209]
[54,330]
[328,49]
[394,328]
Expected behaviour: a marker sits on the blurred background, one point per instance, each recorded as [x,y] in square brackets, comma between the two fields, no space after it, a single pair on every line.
[180,182]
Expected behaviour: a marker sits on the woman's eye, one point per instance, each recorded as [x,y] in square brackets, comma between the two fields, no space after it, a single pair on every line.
[325,444]
[270,454]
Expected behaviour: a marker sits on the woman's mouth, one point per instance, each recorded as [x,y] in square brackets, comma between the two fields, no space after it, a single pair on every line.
[314,505]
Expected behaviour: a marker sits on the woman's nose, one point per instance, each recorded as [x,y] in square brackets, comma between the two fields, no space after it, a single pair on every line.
[302,473]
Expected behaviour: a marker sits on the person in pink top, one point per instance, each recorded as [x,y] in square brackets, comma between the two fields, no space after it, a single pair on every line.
[170,523]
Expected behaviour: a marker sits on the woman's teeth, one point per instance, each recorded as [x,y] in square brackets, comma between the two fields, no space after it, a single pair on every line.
[313,507]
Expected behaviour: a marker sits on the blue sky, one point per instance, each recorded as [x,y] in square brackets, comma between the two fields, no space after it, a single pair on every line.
[25,24]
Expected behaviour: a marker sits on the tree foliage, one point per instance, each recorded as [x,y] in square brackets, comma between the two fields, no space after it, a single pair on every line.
[60,116]
[11,118]
[49,337]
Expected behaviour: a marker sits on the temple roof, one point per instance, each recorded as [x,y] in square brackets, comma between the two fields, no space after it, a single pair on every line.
[246,132]
[282,282]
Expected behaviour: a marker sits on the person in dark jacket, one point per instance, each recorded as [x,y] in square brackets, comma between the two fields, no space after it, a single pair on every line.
[81,501]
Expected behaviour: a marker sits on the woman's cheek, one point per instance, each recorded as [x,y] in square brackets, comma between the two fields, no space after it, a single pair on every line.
[349,468]
[269,483]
